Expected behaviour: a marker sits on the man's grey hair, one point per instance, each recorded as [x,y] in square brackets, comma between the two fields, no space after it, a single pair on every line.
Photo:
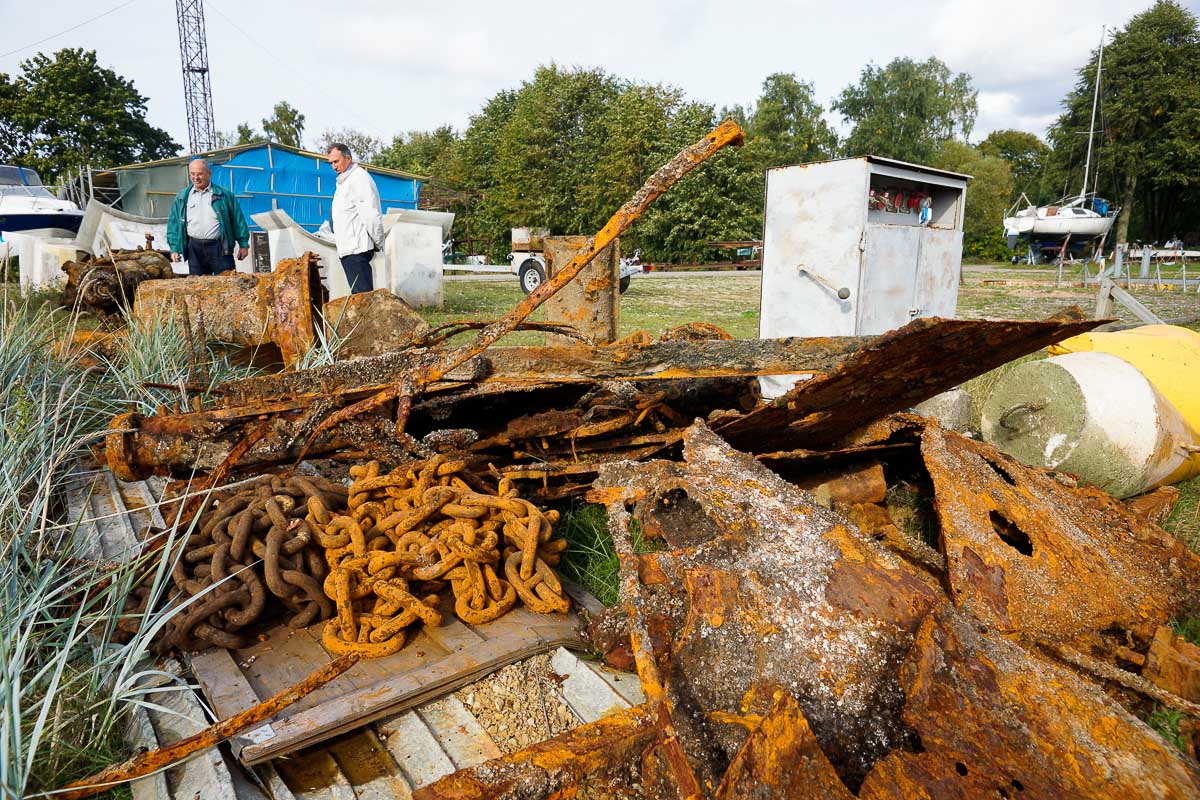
[203,161]
[341,147]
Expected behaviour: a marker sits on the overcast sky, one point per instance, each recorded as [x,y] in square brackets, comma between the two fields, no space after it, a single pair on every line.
[384,66]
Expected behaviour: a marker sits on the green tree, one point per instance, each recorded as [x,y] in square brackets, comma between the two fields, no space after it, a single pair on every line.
[422,152]
[242,134]
[790,124]
[66,111]
[988,194]
[1146,151]
[364,146]
[907,110]
[1027,157]
[286,125]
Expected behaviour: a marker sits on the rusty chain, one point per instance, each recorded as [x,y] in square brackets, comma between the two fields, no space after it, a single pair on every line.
[409,533]
[255,545]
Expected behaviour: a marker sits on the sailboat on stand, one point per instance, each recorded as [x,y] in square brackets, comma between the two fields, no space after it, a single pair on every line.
[1077,219]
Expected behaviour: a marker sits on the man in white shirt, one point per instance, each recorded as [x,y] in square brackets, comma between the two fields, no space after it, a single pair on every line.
[357,218]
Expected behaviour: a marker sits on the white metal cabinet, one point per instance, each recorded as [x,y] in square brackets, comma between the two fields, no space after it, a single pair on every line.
[825,235]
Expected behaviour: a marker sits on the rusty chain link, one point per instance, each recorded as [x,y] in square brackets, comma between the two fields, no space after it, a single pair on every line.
[409,532]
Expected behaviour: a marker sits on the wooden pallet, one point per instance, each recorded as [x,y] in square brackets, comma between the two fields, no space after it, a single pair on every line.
[436,662]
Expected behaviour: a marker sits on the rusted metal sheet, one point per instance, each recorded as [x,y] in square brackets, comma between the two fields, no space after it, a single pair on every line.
[896,371]
[591,302]
[996,720]
[251,310]
[782,759]
[1026,553]
[767,586]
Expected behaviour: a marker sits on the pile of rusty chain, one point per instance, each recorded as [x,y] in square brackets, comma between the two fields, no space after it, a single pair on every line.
[410,532]
[255,544]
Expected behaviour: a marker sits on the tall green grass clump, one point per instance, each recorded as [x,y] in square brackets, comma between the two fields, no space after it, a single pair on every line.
[68,675]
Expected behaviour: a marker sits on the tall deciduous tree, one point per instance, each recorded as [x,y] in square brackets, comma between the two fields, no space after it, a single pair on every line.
[66,111]
[907,110]
[286,125]
[364,146]
[789,123]
[988,194]
[422,152]
[1027,157]
[1148,153]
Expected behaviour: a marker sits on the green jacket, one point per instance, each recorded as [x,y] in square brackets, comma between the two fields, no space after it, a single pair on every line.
[229,217]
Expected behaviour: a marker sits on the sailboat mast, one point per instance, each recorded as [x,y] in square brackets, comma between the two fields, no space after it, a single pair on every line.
[1087,163]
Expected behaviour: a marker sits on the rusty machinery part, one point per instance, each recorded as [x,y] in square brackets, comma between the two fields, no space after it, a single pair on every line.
[107,285]
[449,330]
[250,556]
[409,533]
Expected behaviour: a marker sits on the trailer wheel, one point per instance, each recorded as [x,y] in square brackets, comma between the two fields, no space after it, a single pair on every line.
[623,284]
[531,275]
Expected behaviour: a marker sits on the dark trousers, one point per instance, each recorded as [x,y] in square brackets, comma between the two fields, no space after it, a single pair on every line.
[357,267]
[204,257]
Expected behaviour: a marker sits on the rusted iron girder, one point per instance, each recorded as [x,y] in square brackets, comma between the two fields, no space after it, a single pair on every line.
[438,365]
[160,759]
[598,751]
[892,373]
[251,310]
[623,362]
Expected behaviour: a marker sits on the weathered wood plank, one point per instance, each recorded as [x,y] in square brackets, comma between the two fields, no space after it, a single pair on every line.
[460,734]
[369,767]
[429,681]
[414,748]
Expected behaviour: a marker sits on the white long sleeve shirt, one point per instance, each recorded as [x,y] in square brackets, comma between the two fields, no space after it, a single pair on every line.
[357,217]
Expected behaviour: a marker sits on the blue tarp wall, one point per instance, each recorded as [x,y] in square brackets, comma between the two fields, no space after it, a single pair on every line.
[263,177]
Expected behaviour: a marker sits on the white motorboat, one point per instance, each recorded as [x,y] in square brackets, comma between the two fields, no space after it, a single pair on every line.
[27,206]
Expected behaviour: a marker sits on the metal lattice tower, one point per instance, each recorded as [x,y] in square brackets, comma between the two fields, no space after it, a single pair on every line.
[197,88]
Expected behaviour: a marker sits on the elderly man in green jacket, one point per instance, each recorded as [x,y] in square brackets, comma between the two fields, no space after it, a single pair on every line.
[205,223]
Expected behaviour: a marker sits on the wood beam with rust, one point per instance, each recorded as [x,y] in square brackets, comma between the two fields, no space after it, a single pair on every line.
[731,358]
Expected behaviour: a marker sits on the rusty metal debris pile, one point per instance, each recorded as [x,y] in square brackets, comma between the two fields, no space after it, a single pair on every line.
[785,652]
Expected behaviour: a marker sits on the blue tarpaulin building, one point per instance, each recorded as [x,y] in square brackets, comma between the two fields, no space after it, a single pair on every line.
[263,176]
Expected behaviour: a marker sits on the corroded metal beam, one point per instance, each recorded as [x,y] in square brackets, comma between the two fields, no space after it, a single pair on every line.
[732,358]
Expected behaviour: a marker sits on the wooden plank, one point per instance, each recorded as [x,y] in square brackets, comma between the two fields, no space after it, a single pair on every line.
[286,657]
[86,537]
[429,681]
[414,748]
[460,734]
[314,776]
[369,767]
[589,694]
[420,648]
[453,635]
[228,693]
[179,715]
[140,733]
